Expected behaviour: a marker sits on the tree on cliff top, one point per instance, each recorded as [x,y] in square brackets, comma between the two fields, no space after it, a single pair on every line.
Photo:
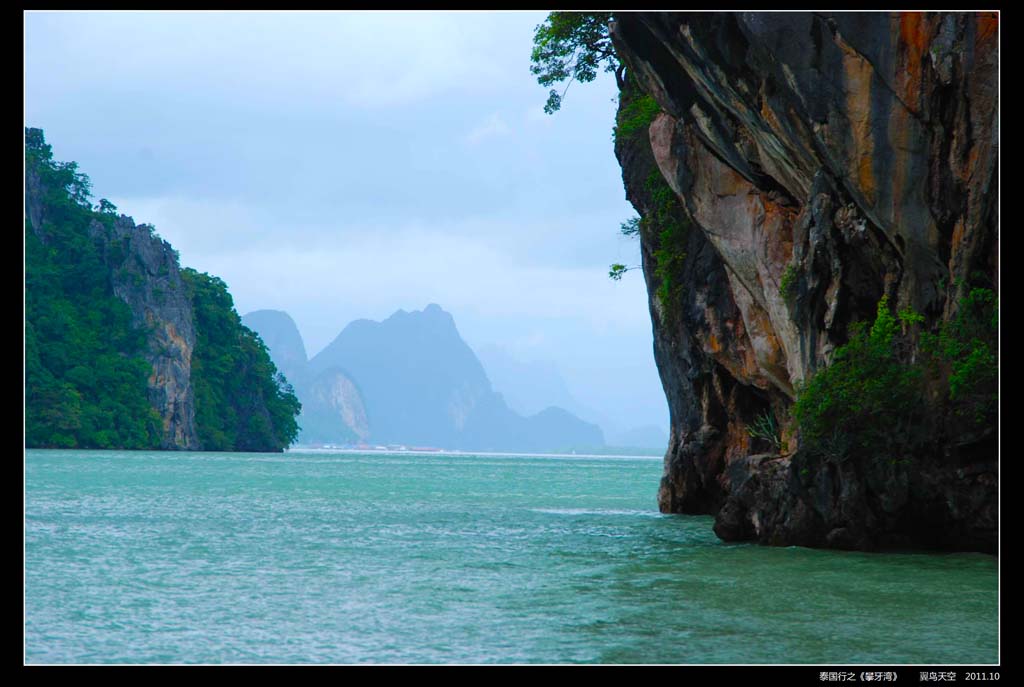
[572,46]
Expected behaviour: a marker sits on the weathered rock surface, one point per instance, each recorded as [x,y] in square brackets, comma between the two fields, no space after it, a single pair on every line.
[855,154]
[332,409]
[145,275]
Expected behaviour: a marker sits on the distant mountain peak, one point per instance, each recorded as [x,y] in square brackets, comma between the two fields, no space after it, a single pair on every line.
[282,337]
[433,316]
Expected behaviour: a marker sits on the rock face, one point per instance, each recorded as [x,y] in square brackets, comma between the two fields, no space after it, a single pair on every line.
[333,410]
[849,156]
[145,275]
[419,379]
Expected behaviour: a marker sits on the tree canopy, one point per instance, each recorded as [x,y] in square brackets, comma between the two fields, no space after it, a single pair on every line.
[572,46]
[85,374]
[242,402]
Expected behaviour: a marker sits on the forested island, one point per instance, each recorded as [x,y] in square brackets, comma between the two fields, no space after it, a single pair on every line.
[124,349]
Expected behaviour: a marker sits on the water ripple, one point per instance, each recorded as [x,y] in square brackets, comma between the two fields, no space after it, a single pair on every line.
[150,557]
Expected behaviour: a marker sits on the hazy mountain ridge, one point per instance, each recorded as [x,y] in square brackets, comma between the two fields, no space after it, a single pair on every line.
[528,386]
[279,333]
[417,383]
[332,406]
[532,386]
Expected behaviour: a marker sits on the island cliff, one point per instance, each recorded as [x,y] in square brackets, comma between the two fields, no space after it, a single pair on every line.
[123,348]
[797,174]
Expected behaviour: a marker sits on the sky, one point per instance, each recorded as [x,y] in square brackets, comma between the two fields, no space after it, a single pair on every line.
[341,165]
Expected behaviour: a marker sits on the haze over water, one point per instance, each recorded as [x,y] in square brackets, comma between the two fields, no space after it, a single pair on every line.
[161,557]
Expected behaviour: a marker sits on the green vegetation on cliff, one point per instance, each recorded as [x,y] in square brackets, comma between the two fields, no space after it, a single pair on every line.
[890,392]
[85,375]
[965,353]
[867,399]
[635,116]
[667,218]
[242,403]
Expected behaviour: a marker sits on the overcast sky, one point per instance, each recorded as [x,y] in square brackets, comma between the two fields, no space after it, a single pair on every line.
[344,165]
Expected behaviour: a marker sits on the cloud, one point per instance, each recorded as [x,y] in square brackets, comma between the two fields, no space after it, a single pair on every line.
[343,165]
[537,115]
[494,125]
[361,268]
[383,272]
[368,60]
[587,239]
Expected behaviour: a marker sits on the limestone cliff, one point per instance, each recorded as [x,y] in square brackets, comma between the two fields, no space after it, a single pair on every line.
[333,410]
[847,157]
[339,393]
[145,275]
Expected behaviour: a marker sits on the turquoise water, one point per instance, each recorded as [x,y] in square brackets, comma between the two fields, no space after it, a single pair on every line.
[162,557]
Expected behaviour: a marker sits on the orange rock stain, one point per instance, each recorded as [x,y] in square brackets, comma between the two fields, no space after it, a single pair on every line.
[858,72]
[987,26]
[915,36]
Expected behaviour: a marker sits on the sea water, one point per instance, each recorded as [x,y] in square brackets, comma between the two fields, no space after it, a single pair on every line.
[333,557]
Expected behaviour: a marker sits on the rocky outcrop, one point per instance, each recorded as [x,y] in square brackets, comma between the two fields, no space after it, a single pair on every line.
[332,409]
[332,406]
[853,505]
[849,157]
[145,275]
